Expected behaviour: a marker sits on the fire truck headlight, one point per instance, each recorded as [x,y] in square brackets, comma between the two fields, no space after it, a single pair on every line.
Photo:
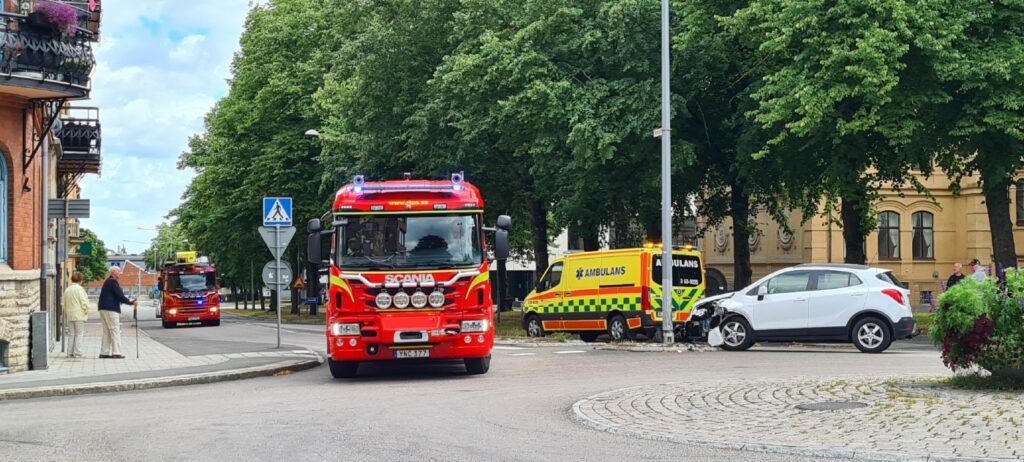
[479,325]
[436,299]
[419,299]
[214,309]
[401,300]
[383,300]
[338,329]
[172,311]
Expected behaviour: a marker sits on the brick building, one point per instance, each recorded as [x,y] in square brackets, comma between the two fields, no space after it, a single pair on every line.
[45,148]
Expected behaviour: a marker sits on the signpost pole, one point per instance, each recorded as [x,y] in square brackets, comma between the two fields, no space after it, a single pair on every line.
[277,262]
[666,184]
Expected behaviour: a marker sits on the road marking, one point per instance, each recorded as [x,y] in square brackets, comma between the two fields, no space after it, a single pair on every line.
[508,348]
[570,352]
[522,354]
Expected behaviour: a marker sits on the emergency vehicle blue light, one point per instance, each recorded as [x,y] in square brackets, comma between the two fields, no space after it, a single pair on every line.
[357,189]
[200,302]
[358,180]
[457,181]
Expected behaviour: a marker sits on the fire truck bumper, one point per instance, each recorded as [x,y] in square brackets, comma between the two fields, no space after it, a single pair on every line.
[410,341]
[187,316]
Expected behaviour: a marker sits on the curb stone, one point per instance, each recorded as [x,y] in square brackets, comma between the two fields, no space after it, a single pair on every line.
[634,347]
[163,382]
[585,420]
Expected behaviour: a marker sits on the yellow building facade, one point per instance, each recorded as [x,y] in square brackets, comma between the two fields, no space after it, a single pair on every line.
[918,238]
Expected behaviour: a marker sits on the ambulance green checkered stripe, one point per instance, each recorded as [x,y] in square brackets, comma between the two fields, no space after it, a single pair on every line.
[682,299]
[589,305]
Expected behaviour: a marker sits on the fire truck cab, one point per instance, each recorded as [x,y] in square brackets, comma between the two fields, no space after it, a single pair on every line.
[408,273]
[189,292]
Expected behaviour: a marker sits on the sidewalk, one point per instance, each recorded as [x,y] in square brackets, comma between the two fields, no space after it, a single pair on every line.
[151,365]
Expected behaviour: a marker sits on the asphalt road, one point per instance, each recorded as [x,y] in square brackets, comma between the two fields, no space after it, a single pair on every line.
[407,411]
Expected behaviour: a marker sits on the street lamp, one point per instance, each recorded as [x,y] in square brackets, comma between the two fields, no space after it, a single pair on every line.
[313,133]
[666,185]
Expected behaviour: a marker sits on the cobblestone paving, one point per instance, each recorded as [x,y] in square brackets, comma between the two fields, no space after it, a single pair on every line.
[903,420]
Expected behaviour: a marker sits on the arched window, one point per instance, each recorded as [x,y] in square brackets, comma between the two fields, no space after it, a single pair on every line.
[1019,202]
[924,238]
[3,209]
[888,236]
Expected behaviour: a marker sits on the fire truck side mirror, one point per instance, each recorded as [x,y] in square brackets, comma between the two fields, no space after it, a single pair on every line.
[313,243]
[505,222]
[501,238]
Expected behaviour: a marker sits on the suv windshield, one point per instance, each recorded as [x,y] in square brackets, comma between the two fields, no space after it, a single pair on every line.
[415,241]
[191,282]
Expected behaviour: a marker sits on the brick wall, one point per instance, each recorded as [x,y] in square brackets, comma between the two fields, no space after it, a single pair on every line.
[24,208]
[129,280]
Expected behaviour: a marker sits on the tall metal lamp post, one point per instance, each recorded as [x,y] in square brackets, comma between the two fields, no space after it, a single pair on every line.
[665,132]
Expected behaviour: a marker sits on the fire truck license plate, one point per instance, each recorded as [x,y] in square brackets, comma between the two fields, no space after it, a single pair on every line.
[193,318]
[402,354]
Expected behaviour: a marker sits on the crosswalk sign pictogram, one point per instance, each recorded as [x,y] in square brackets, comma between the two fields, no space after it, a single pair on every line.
[277,211]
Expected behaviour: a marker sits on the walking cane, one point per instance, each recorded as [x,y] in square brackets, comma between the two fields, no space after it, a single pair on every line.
[136,329]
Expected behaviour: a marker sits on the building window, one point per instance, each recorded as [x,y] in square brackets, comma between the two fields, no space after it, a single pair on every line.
[889,236]
[924,235]
[3,209]
[1019,202]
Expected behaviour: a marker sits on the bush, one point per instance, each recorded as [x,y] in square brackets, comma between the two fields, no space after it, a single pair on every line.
[982,324]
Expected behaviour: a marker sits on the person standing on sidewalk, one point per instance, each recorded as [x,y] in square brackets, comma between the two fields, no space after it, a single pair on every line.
[979,273]
[111,299]
[75,303]
[958,275]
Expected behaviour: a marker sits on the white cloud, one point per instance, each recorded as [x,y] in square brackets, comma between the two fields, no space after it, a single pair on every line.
[161,65]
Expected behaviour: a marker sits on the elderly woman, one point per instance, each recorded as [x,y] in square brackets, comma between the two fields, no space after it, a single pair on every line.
[111,299]
[75,303]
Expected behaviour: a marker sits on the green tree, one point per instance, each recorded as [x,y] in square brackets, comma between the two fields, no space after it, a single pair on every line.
[849,97]
[253,144]
[984,119]
[94,264]
[170,238]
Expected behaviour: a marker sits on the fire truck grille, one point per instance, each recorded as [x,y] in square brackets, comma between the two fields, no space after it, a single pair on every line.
[449,296]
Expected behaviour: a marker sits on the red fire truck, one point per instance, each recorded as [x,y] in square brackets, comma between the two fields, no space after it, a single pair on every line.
[408,273]
[189,292]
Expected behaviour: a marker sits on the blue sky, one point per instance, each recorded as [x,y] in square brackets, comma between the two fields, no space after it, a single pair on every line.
[161,65]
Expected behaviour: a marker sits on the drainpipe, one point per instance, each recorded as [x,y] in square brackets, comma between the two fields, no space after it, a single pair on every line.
[44,245]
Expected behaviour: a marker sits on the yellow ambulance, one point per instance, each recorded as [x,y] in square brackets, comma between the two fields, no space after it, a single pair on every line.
[617,292]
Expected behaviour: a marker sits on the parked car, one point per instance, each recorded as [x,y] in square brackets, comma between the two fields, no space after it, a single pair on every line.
[814,303]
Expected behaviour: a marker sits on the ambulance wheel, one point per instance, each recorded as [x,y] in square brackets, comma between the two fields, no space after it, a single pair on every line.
[478,366]
[618,329]
[343,369]
[589,337]
[533,326]
[168,324]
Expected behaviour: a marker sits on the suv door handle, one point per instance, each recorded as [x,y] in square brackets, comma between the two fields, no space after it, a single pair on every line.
[857,294]
[800,299]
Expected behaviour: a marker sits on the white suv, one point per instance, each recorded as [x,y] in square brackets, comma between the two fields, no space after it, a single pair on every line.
[817,303]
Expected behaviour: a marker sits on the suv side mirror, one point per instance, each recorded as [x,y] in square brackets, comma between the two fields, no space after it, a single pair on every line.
[761,292]
[501,237]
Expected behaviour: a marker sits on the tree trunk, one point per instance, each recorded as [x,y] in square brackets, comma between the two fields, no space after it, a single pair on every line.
[234,294]
[652,228]
[851,213]
[739,210]
[539,221]
[313,286]
[262,306]
[591,238]
[997,203]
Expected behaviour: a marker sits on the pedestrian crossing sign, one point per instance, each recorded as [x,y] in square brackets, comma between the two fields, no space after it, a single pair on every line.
[277,211]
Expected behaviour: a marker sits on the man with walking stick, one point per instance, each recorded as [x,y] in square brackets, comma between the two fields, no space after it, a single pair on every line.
[111,299]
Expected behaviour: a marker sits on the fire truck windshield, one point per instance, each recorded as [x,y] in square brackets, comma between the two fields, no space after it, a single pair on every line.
[191,282]
[414,241]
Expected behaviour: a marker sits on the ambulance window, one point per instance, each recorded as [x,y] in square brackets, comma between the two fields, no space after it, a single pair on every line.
[552,278]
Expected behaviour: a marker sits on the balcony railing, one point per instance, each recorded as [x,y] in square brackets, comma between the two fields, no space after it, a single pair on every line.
[80,138]
[39,62]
